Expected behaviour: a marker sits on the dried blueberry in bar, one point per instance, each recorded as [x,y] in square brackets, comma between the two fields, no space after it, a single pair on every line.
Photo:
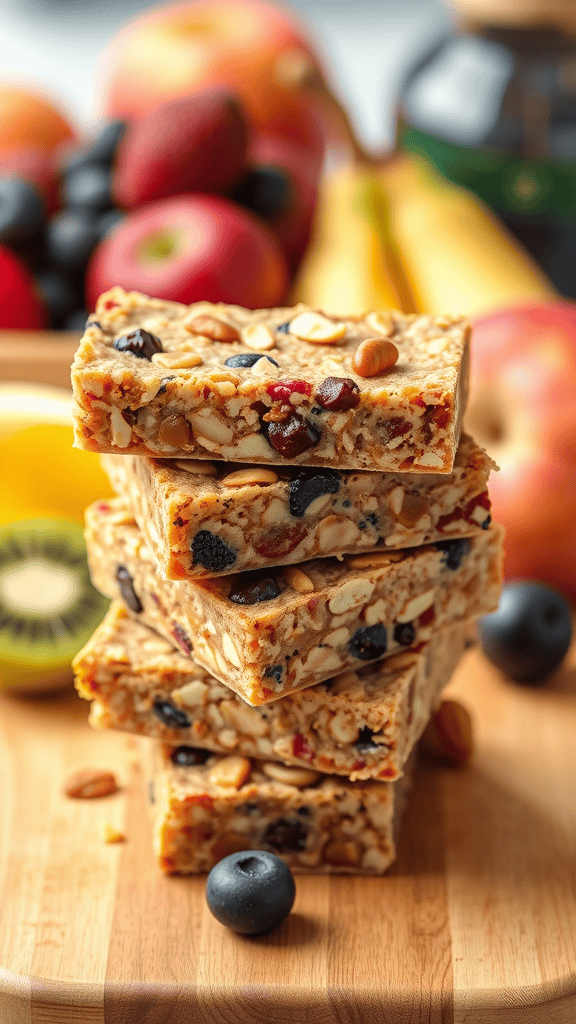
[205,810]
[362,724]
[289,386]
[203,518]
[265,634]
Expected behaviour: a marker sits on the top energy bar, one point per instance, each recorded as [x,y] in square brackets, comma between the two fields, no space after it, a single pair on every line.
[279,386]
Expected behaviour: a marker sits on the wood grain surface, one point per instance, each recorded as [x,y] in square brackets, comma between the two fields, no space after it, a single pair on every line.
[42,357]
[474,924]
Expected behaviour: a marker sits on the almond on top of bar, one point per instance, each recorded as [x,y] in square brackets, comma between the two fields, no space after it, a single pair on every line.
[289,386]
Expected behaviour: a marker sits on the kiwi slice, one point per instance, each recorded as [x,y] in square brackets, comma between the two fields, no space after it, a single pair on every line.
[48,606]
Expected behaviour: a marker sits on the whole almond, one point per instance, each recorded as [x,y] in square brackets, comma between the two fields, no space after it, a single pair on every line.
[212,328]
[448,735]
[374,356]
[89,783]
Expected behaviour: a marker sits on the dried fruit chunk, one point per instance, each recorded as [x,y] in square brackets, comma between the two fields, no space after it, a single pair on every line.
[373,357]
[338,394]
[90,783]
[369,642]
[170,715]
[244,360]
[404,634]
[253,591]
[285,834]
[365,743]
[187,756]
[279,542]
[292,437]
[281,390]
[127,592]
[139,343]
[455,551]
[211,552]
[309,485]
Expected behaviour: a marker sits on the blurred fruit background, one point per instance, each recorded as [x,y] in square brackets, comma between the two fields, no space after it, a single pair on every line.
[416,155]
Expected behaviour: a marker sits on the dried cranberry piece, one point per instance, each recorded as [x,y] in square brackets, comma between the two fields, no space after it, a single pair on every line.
[182,639]
[170,715]
[338,394]
[187,757]
[250,590]
[273,672]
[279,542]
[292,437]
[309,485]
[281,390]
[365,742]
[285,834]
[396,426]
[455,551]
[301,749]
[404,633]
[127,592]
[243,360]
[369,642]
[211,552]
[140,343]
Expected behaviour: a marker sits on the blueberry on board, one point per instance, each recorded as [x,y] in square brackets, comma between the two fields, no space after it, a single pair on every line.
[309,485]
[140,343]
[454,551]
[250,892]
[529,634]
[211,552]
[171,715]
[87,187]
[127,592]
[266,191]
[369,642]
[245,359]
[71,235]
[21,211]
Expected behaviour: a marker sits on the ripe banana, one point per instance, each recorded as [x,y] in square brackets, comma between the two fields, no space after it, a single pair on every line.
[455,254]
[347,269]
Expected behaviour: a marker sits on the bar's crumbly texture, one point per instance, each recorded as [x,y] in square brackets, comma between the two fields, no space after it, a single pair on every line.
[265,634]
[221,805]
[265,516]
[362,724]
[300,403]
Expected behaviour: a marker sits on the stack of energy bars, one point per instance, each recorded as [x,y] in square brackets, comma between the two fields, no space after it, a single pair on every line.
[300,539]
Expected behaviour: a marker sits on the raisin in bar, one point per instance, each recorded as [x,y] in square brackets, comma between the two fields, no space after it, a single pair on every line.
[205,806]
[202,518]
[265,634]
[270,386]
[362,724]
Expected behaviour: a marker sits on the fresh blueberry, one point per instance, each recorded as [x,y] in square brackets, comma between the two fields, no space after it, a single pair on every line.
[21,211]
[108,221]
[140,343]
[530,633]
[454,551]
[309,485]
[171,715]
[88,187]
[368,642]
[266,191]
[250,892]
[127,592]
[76,321]
[245,359]
[211,552]
[71,235]
[104,146]
[59,296]
[250,590]
[187,757]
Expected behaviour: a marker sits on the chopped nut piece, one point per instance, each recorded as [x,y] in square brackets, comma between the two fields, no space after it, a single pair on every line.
[121,432]
[374,357]
[416,606]
[197,466]
[212,328]
[317,328]
[176,360]
[258,337]
[381,322]
[231,771]
[375,560]
[298,580]
[448,735]
[291,776]
[247,477]
[349,595]
[89,783]
[110,834]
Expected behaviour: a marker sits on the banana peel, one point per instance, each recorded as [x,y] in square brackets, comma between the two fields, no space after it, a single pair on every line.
[455,254]
[347,269]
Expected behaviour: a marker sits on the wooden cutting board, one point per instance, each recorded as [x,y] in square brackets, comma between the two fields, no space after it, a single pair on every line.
[475,923]
[43,357]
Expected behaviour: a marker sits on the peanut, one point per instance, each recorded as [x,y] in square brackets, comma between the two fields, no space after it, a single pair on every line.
[373,357]
[298,580]
[89,783]
[212,328]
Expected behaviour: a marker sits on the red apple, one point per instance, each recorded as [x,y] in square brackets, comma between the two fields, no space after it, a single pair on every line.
[182,48]
[20,306]
[189,248]
[523,410]
[303,168]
